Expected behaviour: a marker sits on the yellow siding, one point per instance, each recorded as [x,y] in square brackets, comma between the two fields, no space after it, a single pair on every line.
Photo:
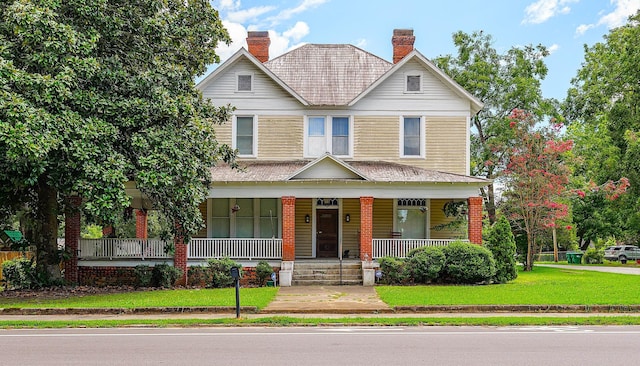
[351,229]
[303,230]
[223,133]
[446,142]
[376,138]
[438,218]
[203,231]
[280,137]
[382,218]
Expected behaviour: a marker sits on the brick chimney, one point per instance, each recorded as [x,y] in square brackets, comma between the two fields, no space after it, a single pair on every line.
[402,42]
[258,43]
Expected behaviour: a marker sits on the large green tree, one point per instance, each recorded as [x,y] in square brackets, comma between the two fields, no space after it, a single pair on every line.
[503,82]
[95,93]
[603,112]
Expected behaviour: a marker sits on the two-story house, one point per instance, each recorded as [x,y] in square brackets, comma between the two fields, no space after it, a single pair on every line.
[345,155]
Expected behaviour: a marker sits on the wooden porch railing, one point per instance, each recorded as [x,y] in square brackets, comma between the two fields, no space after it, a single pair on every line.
[235,248]
[401,247]
[122,248]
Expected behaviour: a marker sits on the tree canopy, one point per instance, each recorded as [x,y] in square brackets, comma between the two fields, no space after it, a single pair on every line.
[95,93]
[503,82]
[603,112]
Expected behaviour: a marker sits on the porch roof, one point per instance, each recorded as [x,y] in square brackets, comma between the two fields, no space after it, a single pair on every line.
[374,171]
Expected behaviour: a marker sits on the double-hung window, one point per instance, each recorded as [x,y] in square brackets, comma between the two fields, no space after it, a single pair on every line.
[244,135]
[412,137]
[245,218]
[328,134]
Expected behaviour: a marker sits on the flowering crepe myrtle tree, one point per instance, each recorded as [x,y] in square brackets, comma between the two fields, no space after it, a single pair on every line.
[536,177]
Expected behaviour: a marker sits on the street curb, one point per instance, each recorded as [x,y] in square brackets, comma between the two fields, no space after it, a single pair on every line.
[121,311]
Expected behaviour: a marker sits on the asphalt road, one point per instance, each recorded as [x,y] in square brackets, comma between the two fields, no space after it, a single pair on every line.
[369,346]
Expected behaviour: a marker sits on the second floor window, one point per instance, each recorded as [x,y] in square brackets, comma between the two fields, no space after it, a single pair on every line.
[412,137]
[328,135]
[244,139]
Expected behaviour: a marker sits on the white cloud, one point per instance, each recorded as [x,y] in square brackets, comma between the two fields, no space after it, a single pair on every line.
[241,16]
[288,13]
[238,34]
[298,31]
[619,16]
[227,4]
[553,48]
[361,43]
[543,10]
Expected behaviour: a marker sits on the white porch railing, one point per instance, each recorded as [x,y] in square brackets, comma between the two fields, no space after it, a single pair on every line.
[235,248]
[121,248]
[401,247]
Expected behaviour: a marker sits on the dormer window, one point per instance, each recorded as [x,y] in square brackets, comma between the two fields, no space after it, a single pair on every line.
[245,82]
[413,83]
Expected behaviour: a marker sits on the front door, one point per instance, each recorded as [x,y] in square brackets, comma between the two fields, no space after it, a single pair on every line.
[327,233]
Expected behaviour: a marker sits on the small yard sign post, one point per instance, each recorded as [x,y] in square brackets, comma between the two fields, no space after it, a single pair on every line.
[235,274]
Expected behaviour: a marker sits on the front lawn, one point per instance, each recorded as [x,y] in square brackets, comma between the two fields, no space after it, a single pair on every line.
[542,286]
[259,297]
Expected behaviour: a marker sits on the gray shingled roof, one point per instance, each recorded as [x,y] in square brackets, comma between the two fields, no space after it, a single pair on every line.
[328,74]
[377,171]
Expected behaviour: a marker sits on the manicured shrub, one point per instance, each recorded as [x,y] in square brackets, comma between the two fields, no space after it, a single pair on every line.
[593,256]
[263,271]
[164,275]
[501,242]
[221,272]
[392,269]
[423,265]
[143,274]
[19,274]
[468,264]
[199,276]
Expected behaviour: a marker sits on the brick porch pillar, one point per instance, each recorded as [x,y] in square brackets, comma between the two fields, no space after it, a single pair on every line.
[475,220]
[288,228]
[366,228]
[72,237]
[141,224]
[180,256]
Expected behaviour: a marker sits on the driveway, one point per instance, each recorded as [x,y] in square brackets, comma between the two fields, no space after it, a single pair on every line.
[622,270]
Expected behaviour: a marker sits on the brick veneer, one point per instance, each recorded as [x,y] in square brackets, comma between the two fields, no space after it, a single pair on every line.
[288,228]
[72,236]
[475,220]
[141,224]
[258,45]
[366,228]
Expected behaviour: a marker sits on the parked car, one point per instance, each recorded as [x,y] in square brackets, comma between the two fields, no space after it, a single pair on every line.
[622,253]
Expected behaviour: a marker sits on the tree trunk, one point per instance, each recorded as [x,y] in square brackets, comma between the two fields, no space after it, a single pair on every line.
[529,265]
[46,232]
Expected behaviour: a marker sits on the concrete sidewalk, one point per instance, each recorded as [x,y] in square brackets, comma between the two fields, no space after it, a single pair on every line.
[621,270]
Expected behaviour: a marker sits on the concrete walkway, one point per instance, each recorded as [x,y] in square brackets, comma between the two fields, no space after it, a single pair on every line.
[621,270]
[327,299]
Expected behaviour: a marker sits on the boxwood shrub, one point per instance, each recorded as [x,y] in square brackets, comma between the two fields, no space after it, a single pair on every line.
[467,263]
[392,269]
[502,244]
[423,265]
[220,270]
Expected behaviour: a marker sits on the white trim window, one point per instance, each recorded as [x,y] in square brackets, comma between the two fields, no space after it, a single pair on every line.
[244,82]
[412,218]
[328,134]
[413,82]
[245,135]
[246,218]
[412,137]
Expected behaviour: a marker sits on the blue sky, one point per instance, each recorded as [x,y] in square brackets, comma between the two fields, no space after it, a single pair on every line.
[563,26]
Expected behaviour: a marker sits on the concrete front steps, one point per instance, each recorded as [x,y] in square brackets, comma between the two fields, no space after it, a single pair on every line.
[326,273]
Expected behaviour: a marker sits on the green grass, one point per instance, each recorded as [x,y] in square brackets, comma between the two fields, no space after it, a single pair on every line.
[259,297]
[542,286]
[289,321]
